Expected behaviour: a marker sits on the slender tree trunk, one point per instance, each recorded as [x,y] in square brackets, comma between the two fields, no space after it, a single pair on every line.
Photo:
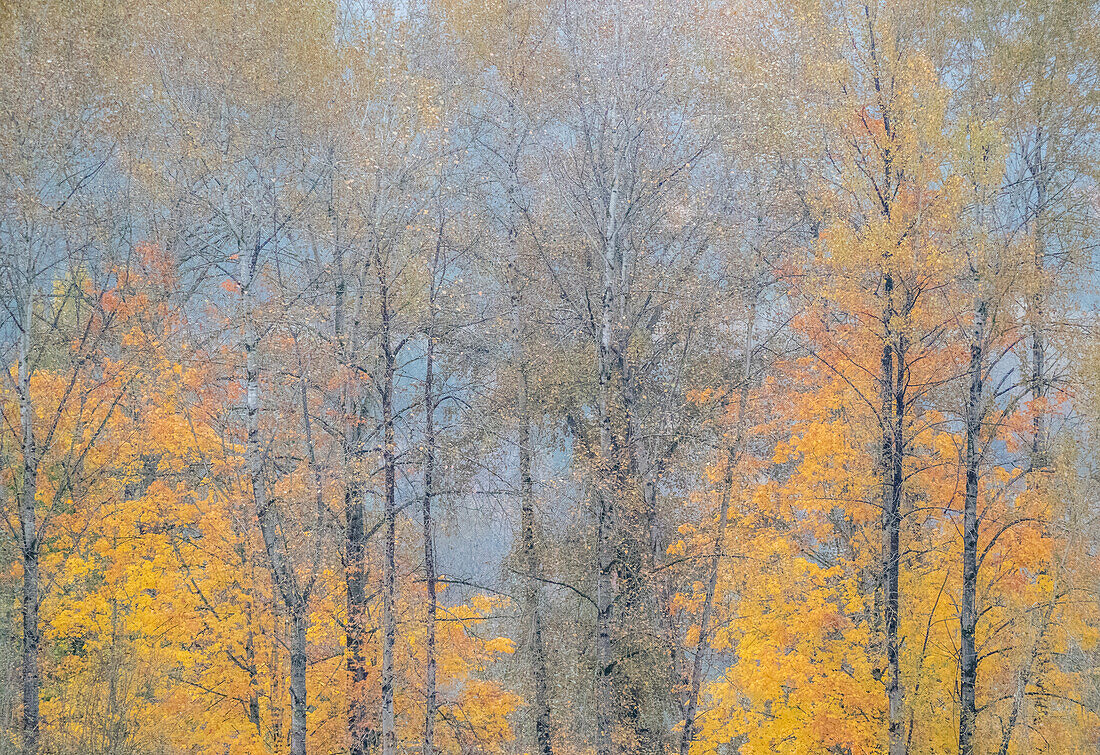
[301,617]
[255,714]
[429,530]
[893,423]
[678,673]
[275,664]
[1035,313]
[28,525]
[1037,380]
[733,455]
[115,733]
[362,738]
[389,576]
[968,616]
[30,626]
[282,572]
[298,700]
[895,691]
[250,662]
[604,602]
[687,734]
[540,707]
[532,611]
[606,489]
[893,415]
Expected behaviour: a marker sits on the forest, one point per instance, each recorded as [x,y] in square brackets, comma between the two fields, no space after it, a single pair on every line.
[549,377]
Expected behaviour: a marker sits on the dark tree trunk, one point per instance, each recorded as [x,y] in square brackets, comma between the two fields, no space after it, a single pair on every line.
[895,692]
[30,620]
[282,571]
[605,556]
[429,544]
[275,663]
[28,525]
[604,602]
[253,680]
[607,474]
[362,738]
[298,701]
[1037,383]
[893,474]
[28,530]
[540,708]
[968,616]
[1035,314]
[389,514]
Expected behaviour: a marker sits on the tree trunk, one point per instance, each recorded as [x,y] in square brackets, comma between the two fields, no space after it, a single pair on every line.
[895,691]
[893,415]
[250,663]
[540,707]
[604,600]
[298,701]
[28,525]
[429,546]
[282,572]
[606,489]
[532,610]
[275,665]
[1035,312]
[362,739]
[361,736]
[968,617]
[389,576]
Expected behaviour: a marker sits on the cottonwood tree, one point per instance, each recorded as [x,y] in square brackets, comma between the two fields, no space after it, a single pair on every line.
[630,197]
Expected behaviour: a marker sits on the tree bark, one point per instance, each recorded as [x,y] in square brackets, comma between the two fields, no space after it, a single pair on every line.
[389,576]
[604,602]
[893,448]
[274,545]
[28,524]
[540,708]
[298,699]
[250,662]
[606,488]
[362,738]
[541,722]
[275,662]
[968,617]
[429,530]
[1035,312]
